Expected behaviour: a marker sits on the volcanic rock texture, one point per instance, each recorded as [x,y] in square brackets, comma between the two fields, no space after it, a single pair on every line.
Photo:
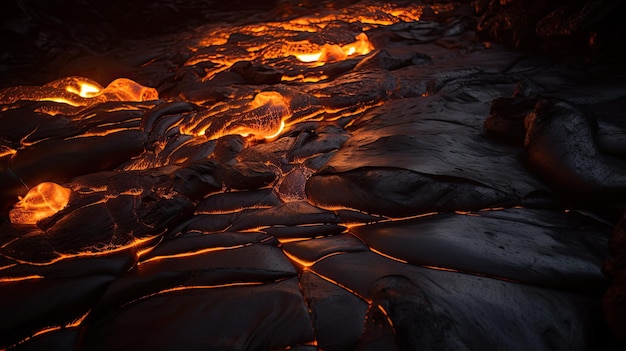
[427,192]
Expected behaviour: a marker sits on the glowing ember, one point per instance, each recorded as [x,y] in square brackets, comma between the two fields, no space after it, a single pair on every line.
[41,202]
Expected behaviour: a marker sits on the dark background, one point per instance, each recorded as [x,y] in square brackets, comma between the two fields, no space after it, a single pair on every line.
[43,40]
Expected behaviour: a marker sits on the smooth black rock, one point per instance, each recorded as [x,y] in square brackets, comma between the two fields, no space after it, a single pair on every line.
[337,315]
[262,316]
[488,313]
[537,247]
[561,146]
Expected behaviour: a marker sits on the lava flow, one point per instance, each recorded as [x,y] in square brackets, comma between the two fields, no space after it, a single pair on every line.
[79,91]
[317,182]
[40,202]
[333,53]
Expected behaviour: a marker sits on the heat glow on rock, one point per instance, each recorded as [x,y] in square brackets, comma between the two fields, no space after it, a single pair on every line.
[312,183]
[40,202]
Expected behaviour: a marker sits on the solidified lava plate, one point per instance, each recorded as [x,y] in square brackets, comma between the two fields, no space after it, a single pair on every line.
[371,177]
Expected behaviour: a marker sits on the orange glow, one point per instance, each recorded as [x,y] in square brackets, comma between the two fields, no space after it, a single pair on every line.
[95,251]
[40,202]
[86,89]
[123,89]
[5,151]
[193,253]
[19,279]
[344,287]
[303,79]
[265,118]
[387,256]
[192,287]
[78,321]
[334,53]
[384,312]
[301,262]
[79,92]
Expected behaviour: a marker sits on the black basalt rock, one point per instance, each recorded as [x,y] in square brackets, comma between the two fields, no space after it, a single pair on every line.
[561,148]
[401,318]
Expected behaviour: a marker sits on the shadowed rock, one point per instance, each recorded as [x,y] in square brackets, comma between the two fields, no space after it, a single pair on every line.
[561,146]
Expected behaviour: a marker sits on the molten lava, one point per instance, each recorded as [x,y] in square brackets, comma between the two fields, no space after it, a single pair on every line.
[263,117]
[40,202]
[333,53]
[269,110]
[79,91]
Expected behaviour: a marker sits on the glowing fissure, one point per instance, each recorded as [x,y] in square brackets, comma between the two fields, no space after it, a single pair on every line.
[192,253]
[73,324]
[18,279]
[6,151]
[306,264]
[7,266]
[192,287]
[387,256]
[105,250]
[384,312]
[344,287]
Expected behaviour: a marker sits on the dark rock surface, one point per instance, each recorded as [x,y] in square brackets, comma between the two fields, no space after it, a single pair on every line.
[437,193]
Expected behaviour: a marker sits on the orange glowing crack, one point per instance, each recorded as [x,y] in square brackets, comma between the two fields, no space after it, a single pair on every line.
[101,133]
[76,323]
[280,130]
[304,79]
[387,256]
[306,264]
[18,279]
[101,252]
[9,265]
[334,282]
[191,287]
[6,151]
[384,312]
[193,253]
[301,262]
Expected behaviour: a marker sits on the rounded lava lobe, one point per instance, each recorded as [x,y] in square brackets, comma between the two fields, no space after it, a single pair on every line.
[561,147]
[40,202]
[265,121]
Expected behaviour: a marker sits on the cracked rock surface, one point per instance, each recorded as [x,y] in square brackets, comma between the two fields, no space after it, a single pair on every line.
[435,193]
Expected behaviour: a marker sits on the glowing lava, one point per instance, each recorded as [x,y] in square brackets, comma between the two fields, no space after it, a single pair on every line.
[40,202]
[79,91]
[262,118]
[334,53]
[266,117]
